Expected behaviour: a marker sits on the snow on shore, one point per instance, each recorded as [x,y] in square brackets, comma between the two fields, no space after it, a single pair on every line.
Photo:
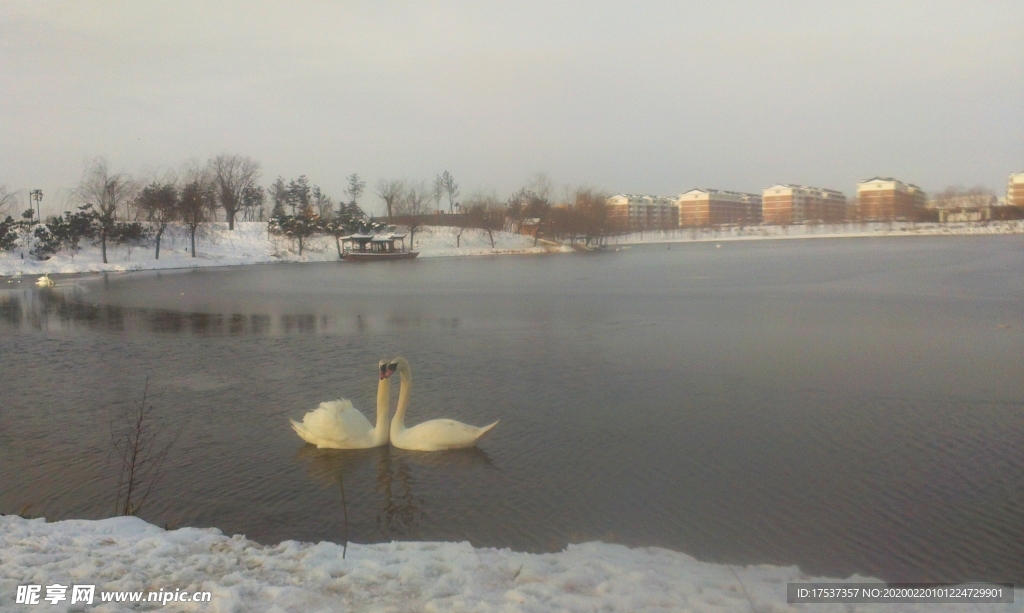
[249,243]
[126,553]
[839,230]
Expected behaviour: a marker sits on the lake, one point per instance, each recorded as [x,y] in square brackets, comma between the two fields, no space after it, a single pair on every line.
[848,406]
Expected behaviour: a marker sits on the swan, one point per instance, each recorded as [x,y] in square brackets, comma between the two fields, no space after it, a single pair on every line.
[433,435]
[44,281]
[339,425]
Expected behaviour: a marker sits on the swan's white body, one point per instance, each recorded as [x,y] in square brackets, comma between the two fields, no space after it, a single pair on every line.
[44,281]
[339,425]
[433,435]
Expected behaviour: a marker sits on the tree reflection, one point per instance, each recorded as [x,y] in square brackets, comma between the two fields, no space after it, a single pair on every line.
[399,509]
[71,306]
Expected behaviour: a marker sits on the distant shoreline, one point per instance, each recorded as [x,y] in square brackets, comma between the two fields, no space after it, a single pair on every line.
[250,244]
[848,230]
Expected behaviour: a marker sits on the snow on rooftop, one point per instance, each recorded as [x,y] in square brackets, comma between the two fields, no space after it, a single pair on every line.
[126,553]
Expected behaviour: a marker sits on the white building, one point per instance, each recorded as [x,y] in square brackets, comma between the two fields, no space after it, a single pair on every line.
[1015,189]
[632,212]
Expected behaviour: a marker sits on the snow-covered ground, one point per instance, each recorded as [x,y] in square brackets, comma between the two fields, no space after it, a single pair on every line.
[249,243]
[126,553]
[847,230]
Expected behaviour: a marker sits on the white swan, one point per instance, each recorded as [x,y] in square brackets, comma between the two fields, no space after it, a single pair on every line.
[45,281]
[339,425]
[433,435]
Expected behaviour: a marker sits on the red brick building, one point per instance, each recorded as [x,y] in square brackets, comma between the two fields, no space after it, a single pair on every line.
[710,207]
[886,199]
[785,204]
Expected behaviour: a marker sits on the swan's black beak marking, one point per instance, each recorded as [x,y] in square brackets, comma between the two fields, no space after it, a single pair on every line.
[383,371]
[388,371]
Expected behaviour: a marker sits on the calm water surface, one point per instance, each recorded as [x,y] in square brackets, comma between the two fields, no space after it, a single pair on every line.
[846,406]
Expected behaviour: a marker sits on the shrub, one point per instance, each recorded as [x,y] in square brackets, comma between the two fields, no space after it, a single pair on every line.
[47,243]
[8,234]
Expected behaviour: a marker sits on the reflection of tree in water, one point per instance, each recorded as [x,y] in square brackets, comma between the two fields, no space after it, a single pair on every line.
[70,306]
[31,307]
[10,309]
[40,308]
[399,511]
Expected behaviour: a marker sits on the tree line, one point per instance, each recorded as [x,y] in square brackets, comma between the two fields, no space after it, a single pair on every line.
[114,208]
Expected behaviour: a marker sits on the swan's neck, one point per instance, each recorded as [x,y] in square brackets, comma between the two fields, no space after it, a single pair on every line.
[383,408]
[398,423]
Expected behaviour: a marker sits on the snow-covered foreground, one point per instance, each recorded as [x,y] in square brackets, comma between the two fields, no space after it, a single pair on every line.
[248,243]
[847,230]
[126,553]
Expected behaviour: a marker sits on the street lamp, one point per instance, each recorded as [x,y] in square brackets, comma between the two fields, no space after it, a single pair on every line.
[37,195]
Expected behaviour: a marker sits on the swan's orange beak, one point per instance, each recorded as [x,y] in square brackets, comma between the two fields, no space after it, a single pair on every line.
[388,370]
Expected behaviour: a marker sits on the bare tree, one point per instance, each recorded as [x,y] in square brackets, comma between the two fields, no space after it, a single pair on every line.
[437,190]
[390,191]
[107,193]
[253,198]
[529,204]
[590,211]
[233,174]
[955,197]
[142,443]
[8,201]
[198,199]
[542,186]
[450,188]
[480,198]
[487,214]
[158,203]
[412,206]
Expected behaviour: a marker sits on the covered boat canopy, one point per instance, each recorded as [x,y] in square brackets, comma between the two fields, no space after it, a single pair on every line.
[373,244]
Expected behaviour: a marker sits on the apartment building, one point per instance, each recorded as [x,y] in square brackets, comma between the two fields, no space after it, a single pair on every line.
[785,204]
[707,207]
[1015,189]
[885,198]
[631,212]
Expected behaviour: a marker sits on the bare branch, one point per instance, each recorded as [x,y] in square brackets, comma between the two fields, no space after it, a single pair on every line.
[234,174]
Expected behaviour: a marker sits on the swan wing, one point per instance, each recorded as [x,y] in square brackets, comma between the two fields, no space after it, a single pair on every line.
[335,424]
[440,434]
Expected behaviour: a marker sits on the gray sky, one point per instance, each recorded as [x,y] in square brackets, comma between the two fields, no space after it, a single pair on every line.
[639,97]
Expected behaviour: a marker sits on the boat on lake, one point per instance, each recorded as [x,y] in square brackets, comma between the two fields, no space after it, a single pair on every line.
[367,247]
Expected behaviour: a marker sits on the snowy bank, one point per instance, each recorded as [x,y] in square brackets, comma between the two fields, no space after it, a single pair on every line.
[126,553]
[838,230]
[248,243]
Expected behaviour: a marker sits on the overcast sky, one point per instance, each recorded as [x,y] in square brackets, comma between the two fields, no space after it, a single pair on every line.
[638,97]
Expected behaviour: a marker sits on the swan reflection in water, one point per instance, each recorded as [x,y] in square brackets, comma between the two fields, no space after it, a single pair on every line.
[399,510]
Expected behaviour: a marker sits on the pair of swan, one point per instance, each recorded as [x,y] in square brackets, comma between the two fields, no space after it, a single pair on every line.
[339,425]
